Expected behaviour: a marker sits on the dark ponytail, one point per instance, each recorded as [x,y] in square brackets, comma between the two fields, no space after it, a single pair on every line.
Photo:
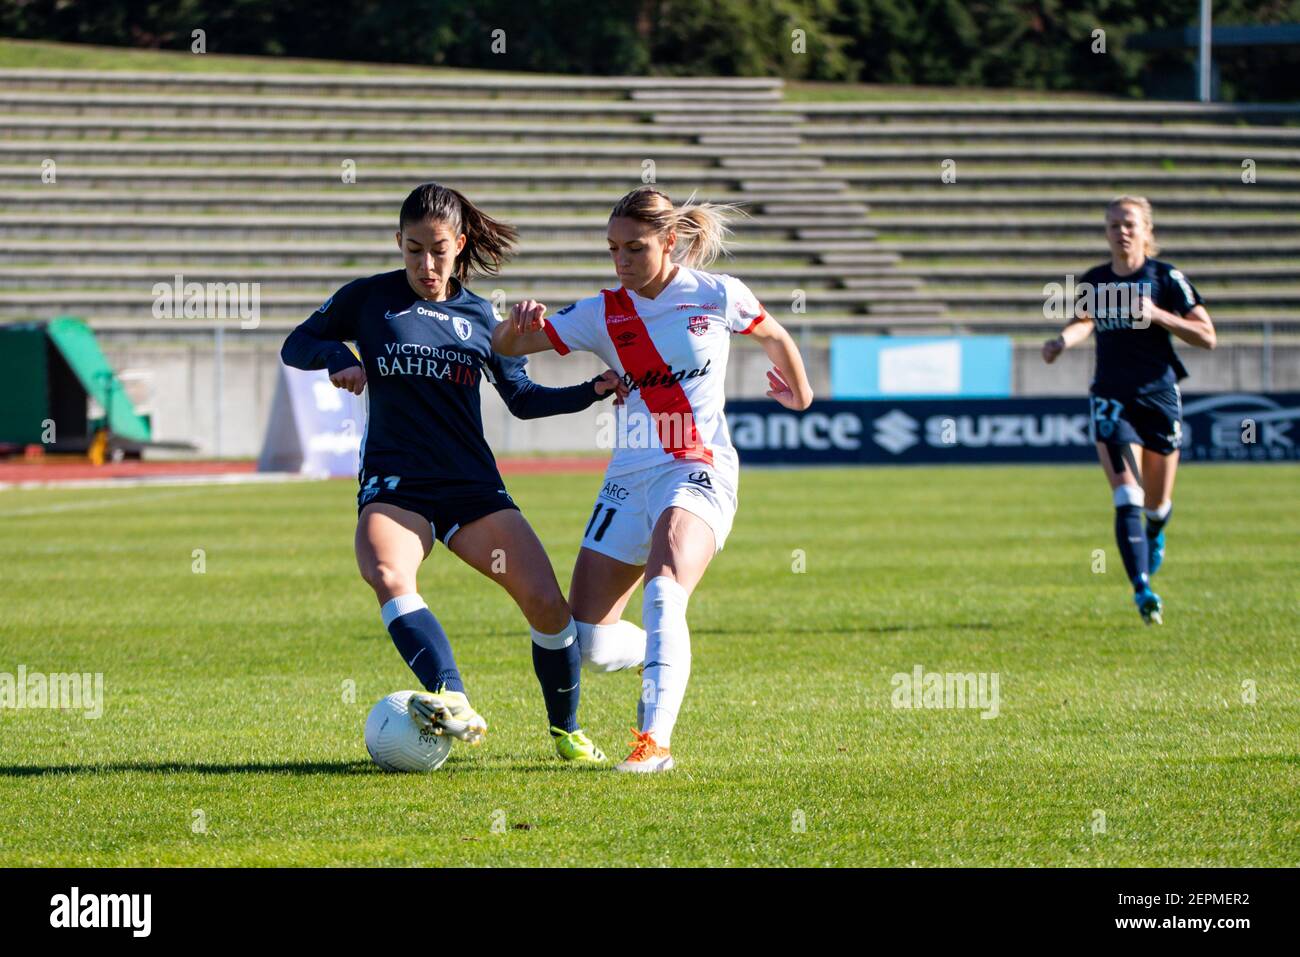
[488,241]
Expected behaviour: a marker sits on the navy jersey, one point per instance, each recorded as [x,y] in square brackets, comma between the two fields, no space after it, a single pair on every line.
[1136,361]
[423,361]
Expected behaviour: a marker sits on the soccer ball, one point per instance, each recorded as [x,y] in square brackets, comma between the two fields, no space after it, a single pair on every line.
[397,743]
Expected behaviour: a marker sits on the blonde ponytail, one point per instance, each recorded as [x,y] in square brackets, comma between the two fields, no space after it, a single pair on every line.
[703,229]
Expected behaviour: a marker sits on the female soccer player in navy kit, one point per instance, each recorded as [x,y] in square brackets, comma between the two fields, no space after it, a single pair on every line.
[426,470]
[1133,303]
[670,492]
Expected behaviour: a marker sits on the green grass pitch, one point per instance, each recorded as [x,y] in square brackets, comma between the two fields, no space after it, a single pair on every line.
[228,736]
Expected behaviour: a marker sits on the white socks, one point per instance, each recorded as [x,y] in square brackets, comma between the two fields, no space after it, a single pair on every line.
[615,647]
[1159,514]
[395,608]
[667,657]
[558,641]
[1129,495]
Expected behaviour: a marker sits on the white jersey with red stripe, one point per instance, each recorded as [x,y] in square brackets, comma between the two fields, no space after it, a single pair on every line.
[672,353]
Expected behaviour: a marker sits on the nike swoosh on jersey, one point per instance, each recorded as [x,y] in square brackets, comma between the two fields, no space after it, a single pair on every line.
[394,315]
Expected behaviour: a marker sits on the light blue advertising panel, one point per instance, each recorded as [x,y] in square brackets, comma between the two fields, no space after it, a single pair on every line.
[920,367]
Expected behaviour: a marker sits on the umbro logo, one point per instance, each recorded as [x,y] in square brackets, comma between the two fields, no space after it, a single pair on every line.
[625,338]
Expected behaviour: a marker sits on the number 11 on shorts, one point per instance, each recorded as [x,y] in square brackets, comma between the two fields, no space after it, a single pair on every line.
[604,523]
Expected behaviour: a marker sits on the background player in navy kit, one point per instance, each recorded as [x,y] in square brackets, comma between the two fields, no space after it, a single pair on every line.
[1133,303]
[426,469]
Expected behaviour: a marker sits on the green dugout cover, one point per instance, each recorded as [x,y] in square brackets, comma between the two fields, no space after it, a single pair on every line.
[25,370]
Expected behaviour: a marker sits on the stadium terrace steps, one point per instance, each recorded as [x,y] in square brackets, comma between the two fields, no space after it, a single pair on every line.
[296,306]
[374,203]
[431,83]
[1027,322]
[1208,272]
[1084,251]
[230,178]
[124,128]
[1030,297]
[616,180]
[676,97]
[1023,305]
[182,104]
[1083,224]
[379,254]
[1027,295]
[1100,131]
[1030,152]
[975,177]
[292,154]
[313,278]
[1038,110]
[1260,198]
[736,152]
[529,224]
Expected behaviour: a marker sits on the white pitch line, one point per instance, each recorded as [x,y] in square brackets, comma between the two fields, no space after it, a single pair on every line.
[90,504]
[158,481]
[189,485]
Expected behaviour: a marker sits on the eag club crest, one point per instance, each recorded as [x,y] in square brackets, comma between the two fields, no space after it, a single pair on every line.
[698,325]
[463,328]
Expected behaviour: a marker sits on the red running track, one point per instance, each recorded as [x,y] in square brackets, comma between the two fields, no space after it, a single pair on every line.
[69,471]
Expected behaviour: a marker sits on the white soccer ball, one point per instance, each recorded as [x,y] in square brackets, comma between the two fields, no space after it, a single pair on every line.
[396,742]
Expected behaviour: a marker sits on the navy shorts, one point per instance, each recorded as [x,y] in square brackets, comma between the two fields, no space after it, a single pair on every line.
[445,505]
[1154,421]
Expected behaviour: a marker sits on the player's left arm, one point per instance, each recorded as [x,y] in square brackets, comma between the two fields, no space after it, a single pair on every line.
[527,399]
[1194,327]
[788,380]
[1186,316]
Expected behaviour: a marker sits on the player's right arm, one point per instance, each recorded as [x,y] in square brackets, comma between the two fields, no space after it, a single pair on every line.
[1077,330]
[579,327]
[318,342]
[524,332]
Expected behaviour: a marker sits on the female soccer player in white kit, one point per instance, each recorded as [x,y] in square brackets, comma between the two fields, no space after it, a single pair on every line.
[669,494]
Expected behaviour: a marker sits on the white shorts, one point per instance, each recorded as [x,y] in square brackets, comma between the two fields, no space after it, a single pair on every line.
[629,505]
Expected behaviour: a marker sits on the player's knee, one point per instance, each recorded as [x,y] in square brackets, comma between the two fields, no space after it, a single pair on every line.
[544,606]
[387,579]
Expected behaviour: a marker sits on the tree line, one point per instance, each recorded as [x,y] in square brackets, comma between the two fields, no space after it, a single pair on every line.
[1026,44]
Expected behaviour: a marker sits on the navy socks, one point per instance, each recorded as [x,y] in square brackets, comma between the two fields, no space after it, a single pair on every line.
[557,660]
[1130,536]
[422,643]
